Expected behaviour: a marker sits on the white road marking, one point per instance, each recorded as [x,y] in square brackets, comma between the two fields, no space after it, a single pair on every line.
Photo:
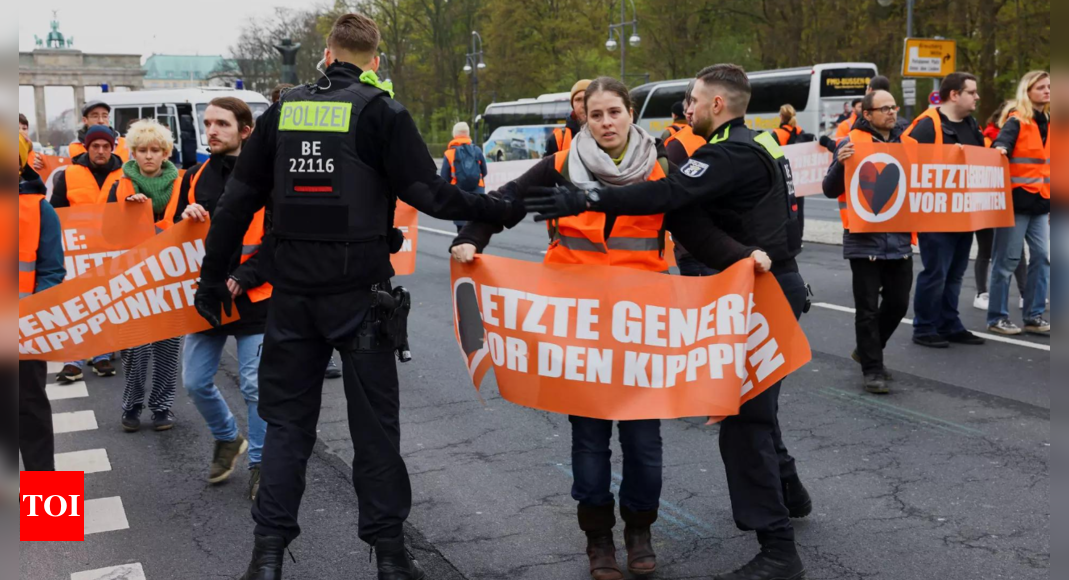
[439,232]
[74,422]
[61,392]
[124,572]
[54,368]
[89,461]
[986,335]
[105,515]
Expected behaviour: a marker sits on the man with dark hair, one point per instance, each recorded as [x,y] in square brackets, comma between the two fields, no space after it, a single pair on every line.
[330,160]
[679,120]
[844,128]
[733,200]
[937,322]
[878,83]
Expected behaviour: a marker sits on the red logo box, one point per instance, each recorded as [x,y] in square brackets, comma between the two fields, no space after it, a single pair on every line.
[52,506]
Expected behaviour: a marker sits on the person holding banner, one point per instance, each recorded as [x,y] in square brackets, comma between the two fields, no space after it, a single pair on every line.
[735,200]
[228,122]
[40,268]
[882,264]
[937,321]
[150,178]
[610,150]
[1025,139]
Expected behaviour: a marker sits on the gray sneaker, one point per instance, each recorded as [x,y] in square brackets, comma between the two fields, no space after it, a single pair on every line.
[225,458]
[1037,326]
[1005,328]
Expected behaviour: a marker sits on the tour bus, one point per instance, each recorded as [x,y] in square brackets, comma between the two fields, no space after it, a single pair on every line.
[519,129]
[817,92]
[182,110]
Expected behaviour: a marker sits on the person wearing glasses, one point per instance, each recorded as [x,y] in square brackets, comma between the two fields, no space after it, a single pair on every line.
[882,264]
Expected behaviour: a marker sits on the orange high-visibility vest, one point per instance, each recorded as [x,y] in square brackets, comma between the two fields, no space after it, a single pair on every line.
[635,241]
[932,114]
[675,128]
[690,141]
[29,242]
[250,244]
[76,148]
[126,189]
[785,133]
[563,137]
[845,127]
[82,186]
[1030,159]
[451,158]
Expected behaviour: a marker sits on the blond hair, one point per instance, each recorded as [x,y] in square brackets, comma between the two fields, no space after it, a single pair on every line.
[148,132]
[788,116]
[1022,105]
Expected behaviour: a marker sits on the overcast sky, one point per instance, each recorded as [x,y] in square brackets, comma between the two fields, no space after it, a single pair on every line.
[136,27]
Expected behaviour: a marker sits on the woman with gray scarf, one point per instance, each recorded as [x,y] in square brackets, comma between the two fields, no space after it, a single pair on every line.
[610,150]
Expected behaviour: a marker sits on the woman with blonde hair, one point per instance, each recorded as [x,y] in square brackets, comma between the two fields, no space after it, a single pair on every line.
[149,177]
[1025,139]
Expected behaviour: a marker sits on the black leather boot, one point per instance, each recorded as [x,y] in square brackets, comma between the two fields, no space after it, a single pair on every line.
[796,497]
[641,559]
[267,554]
[394,561]
[770,565]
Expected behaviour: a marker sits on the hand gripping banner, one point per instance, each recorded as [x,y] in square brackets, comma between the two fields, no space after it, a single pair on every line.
[623,344]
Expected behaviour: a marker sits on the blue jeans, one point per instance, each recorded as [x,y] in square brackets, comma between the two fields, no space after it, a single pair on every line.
[80,363]
[640,490]
[200,363]
[935,306]
[1009,243]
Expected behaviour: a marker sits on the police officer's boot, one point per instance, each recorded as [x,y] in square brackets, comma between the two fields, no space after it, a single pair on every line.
[394,561]
[267,556]
[641,559]
[778,560]
[796,498]
[598,523]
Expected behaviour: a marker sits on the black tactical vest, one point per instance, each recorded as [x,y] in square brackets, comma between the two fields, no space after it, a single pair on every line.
[323,190]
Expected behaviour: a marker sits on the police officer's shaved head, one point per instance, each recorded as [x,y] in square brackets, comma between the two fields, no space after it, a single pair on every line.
[731,82]
[356,35]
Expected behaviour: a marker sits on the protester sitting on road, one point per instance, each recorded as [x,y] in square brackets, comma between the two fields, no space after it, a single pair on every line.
[464,165]
[1025,140]
[610,150]
[561,139]
[149,177]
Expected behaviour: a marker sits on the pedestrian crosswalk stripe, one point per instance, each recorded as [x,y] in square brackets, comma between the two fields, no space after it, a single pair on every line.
[89,461]
[54,368]
[105,515]
[62,392]
[124,572]
[74,422]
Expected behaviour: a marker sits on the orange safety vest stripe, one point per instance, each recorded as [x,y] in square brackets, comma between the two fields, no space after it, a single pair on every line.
[29,242]
[82,186]
[635,241]
[1030,160]
[564,138]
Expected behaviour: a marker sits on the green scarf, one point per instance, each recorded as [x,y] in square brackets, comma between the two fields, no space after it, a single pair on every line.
[158,189]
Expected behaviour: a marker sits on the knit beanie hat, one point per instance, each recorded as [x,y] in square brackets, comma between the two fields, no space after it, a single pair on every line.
[579,87]
[99,133]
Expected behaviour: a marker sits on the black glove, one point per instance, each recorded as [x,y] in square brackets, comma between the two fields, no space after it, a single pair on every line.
[396,240]
[556,202]
[827,143]
[210,299]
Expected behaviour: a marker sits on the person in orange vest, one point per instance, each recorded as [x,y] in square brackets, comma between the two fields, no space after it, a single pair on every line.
[40,268]
[228,122]
[95,114]
[1025,139]
[937,321]
[679,121]
[561,139]
[149,177]
[882,264]
[610,150]
[844,128]
[464,164]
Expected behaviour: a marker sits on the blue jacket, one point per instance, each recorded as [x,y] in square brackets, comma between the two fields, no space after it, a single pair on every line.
[51,270]
[866,246]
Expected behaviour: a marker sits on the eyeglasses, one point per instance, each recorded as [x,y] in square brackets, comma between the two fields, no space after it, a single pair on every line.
[885,110]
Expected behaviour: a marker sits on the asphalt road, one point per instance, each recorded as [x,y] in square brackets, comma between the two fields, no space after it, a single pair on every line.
[947,478]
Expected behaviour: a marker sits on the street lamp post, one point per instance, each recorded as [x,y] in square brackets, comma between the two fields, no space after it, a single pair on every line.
[472,65]
[909,31]
[619,29]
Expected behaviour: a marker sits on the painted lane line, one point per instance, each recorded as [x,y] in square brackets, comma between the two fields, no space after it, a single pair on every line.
[74,422]
[439,232]
[124,572]
[54,368]
[89,461]
[105,515]
[63,392]
[909,322]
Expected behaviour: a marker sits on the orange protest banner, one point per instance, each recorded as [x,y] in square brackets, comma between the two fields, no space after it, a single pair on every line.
[809,165]
[143,296]
[95,233]
[623,344]
[406,219]
[927,188]
[51,163]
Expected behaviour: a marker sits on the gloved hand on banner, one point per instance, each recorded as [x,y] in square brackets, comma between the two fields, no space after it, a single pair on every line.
[561,201]
[212,298]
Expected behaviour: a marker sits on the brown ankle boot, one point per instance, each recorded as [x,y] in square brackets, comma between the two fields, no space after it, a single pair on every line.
[598,523]
[641,559]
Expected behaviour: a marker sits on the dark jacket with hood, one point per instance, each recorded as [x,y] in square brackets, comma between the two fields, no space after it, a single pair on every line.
[573,124]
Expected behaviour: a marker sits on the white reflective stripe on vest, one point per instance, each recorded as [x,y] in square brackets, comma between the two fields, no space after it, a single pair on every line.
[24,295]
[1030,180]
[635,244]
[249,250]
[27,267]
[1029,161]
[581,245]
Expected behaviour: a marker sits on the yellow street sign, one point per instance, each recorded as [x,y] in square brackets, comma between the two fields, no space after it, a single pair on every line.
[929,58]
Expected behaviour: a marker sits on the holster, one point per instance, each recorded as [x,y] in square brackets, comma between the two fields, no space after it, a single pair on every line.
[386,325]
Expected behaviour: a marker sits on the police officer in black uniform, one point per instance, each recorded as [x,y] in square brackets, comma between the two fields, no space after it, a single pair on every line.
[738,195]
[329,161]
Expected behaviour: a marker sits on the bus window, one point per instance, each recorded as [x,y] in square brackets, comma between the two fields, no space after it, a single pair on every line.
[124,117]
[660,103]
[772,92]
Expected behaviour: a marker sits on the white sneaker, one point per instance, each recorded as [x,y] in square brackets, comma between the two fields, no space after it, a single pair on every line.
[982,301]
